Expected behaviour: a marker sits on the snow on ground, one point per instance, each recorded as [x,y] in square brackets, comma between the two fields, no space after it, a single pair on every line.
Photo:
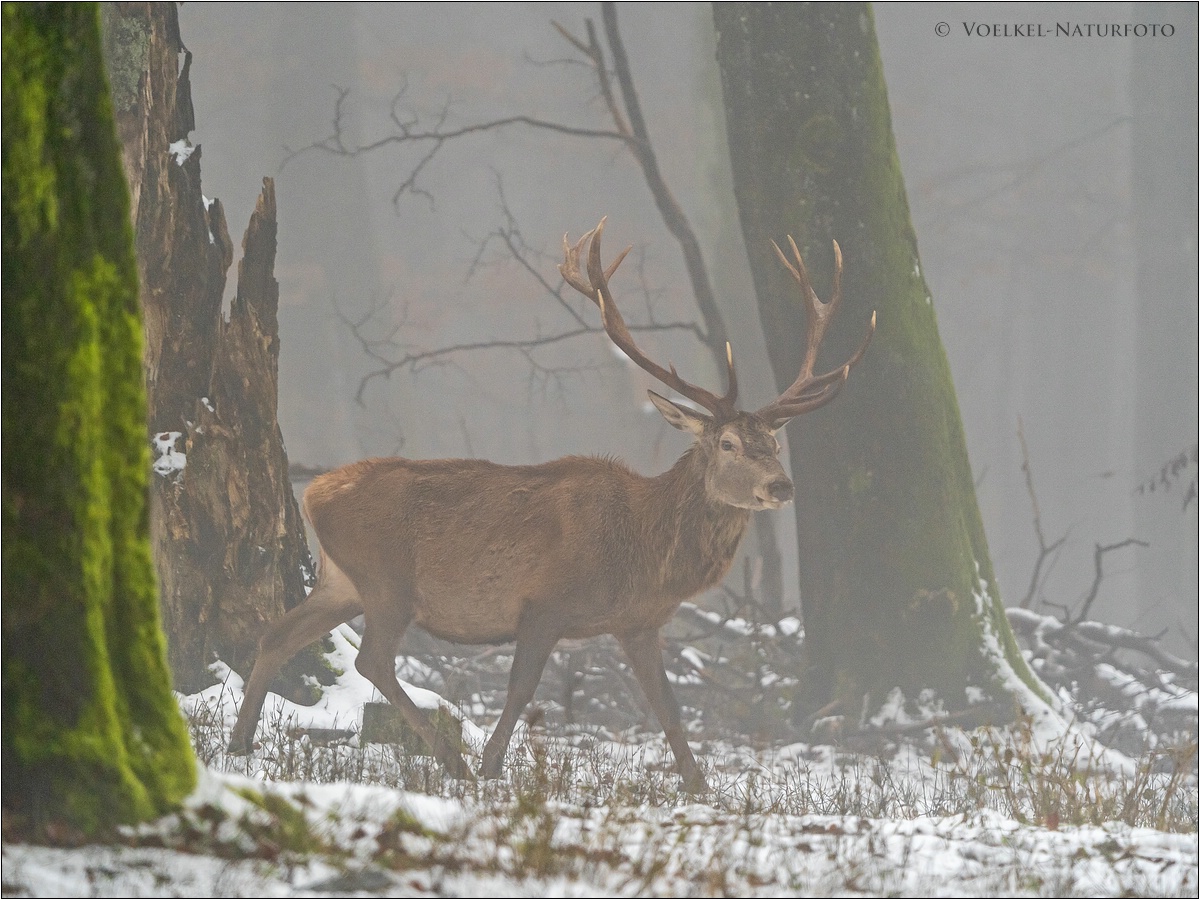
[582,814]
[688,850]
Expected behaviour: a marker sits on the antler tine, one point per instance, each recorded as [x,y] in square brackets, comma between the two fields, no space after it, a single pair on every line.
[596,288]
[836,291]
[808,392]
[595,269]
[817,314]
[731,377]
[569,268]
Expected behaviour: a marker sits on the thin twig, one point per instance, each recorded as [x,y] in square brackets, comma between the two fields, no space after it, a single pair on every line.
[1044,551]
[1102,549]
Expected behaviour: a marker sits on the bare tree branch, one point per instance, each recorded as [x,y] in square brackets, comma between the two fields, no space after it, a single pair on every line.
[1102,549]
[415,361]
[1044,552]
[629,128]
[408,132]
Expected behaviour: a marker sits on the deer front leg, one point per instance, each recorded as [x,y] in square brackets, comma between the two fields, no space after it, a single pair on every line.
[641,647]
[534,645]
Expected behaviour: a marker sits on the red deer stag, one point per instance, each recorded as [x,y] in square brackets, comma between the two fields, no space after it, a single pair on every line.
[478,553]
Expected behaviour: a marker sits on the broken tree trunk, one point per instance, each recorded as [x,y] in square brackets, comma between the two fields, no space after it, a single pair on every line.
[229,544]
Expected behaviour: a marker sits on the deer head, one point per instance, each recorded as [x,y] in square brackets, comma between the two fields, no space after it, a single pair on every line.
[739,448]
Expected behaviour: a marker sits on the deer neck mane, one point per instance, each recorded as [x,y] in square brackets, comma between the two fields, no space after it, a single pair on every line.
[691,538]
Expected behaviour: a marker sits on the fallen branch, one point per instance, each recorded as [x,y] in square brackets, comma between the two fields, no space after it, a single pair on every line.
[1091,637]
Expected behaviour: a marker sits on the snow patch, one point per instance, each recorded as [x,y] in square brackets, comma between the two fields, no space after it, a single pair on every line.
[788,626]
[180,151]
[167,460]
[891,711]
[897,710]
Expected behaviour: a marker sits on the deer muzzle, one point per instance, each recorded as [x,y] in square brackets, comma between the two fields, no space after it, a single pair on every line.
[776,493]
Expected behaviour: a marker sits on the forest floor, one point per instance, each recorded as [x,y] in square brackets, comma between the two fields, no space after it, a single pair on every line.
[583,811]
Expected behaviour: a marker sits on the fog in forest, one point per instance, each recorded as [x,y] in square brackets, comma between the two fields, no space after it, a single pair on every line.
[1052,183]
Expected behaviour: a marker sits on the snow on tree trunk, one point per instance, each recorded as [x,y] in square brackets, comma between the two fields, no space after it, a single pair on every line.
[92,735]
[896,581]
[228,539]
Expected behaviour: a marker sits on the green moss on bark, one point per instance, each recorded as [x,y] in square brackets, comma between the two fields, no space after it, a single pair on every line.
[889,529]
[92,734]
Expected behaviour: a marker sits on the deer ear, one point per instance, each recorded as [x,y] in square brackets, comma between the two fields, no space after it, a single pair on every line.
[680,417]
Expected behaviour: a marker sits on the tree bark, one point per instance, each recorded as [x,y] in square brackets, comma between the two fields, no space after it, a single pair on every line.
[228,538]
[92,735]
[896,583]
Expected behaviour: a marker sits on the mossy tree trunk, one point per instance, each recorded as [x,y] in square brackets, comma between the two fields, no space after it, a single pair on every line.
[229,542]
[896,582]
[92,735]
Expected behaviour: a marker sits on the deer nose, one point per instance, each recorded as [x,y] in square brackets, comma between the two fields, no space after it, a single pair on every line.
[781,490]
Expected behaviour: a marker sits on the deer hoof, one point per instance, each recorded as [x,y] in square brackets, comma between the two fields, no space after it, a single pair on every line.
[493,764]
[695,783]
[456,768]
[240,744]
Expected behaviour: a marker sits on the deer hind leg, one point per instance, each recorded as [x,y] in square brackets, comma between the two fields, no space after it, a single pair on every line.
[534,644]
[385,624]
[641,647]
[332,602]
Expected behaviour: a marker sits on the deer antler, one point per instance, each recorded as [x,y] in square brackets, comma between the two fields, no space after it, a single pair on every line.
[596,289]
[808,392]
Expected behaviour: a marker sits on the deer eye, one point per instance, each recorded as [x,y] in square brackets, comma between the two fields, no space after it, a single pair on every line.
[726,444]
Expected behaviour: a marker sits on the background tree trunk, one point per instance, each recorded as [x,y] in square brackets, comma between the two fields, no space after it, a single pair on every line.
[92,735]
[1163,147]
[228,539]
[896,583]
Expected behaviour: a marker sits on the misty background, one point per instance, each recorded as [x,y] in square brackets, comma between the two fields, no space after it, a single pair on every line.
[1052,184]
